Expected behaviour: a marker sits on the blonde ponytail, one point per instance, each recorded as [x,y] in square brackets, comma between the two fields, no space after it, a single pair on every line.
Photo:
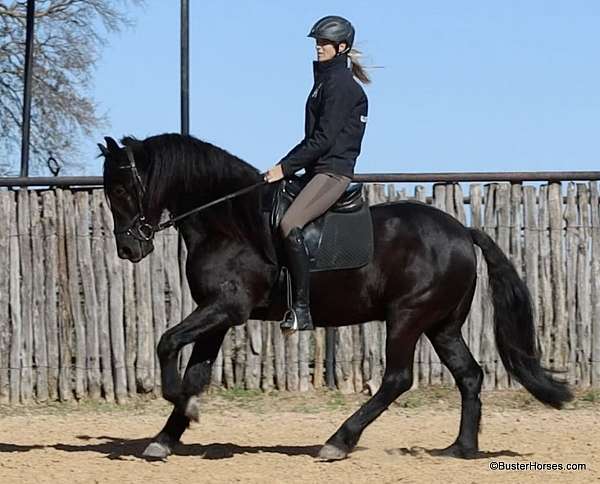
[357,68]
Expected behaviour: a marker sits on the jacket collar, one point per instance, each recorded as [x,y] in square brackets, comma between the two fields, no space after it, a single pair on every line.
[337,63]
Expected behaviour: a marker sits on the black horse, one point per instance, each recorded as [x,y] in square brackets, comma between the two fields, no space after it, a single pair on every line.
[421,280]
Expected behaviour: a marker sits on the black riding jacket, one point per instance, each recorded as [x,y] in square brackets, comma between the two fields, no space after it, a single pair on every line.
[336,117]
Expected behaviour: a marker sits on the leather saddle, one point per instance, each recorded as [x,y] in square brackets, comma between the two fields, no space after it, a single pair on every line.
[342,238]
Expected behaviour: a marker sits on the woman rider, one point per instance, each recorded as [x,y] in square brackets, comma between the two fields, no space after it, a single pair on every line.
[336,115]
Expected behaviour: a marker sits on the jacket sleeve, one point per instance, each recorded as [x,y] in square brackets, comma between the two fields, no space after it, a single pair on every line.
[336,108]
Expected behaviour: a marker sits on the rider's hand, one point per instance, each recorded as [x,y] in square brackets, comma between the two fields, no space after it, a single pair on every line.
[274,174]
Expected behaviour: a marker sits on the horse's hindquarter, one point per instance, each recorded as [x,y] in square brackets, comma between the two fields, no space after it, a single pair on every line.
[422,256]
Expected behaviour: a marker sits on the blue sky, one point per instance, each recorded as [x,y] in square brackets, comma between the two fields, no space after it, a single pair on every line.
[463,85]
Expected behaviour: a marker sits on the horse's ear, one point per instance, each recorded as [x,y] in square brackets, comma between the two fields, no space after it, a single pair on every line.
[111,144]
[131,142]
[103,150]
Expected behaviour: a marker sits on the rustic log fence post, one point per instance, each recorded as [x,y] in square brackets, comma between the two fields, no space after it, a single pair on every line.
[5,326]
[115,304]
[50,264]
[546,289]
[583,353]
[102,294]
[25,255]
[475,320]
[595,289]
[65,313]
[560,354]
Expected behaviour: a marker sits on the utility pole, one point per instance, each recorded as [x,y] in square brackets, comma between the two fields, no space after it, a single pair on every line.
[185,67]
[25,133]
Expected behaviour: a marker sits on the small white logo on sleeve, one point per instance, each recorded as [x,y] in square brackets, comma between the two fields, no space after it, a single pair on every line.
[363,119]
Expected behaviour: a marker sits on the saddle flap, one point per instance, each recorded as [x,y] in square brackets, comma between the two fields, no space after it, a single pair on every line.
[342,238]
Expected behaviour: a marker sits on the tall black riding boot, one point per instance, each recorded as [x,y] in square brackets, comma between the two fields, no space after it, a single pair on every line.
[298,316]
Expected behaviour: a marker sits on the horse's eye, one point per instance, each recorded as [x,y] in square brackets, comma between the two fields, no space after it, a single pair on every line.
[119,191]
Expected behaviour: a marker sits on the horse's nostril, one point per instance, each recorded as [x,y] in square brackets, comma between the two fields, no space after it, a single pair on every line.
[124,252]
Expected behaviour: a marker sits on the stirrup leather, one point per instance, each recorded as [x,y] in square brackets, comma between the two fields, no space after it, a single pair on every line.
[285,323]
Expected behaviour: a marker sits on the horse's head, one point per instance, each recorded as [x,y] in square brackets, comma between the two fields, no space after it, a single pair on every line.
[125,188]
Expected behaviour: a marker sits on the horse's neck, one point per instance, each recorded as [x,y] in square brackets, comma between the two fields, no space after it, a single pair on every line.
[190,234]
[197,237]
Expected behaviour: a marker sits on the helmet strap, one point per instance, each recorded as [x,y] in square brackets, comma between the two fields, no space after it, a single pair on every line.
[337,49]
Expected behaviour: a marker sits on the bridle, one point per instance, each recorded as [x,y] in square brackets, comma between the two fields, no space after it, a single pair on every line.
[139,228]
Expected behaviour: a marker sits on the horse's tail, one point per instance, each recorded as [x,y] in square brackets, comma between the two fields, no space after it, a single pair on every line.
[514,328]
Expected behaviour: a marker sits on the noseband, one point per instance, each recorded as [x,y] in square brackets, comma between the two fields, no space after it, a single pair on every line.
[143,231]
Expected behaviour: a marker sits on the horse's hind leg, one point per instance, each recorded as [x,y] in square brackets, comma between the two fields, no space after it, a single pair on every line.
[454,353]
[397,379]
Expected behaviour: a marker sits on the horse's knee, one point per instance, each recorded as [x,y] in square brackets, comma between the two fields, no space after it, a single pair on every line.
[166,346]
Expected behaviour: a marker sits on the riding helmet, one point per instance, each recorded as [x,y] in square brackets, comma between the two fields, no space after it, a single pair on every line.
[333,28]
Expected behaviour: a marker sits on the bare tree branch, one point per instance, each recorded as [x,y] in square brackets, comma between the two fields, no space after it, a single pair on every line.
[69,35]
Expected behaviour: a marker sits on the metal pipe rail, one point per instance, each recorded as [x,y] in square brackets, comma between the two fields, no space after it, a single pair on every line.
[516,177]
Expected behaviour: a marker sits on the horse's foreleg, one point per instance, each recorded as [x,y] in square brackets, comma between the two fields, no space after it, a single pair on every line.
[198,371]
[197,376]
[199,325]
[206,327]
[162,445]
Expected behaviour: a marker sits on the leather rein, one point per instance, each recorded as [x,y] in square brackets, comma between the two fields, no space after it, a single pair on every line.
[139,228]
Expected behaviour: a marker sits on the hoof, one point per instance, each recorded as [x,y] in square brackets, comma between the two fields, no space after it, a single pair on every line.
[192,409]
[457,451]
[156,451]
[329,452]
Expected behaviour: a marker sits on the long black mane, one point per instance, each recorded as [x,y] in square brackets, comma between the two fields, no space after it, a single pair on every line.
[183,172]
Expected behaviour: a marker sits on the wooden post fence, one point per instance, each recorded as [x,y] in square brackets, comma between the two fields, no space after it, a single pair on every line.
[77,322]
